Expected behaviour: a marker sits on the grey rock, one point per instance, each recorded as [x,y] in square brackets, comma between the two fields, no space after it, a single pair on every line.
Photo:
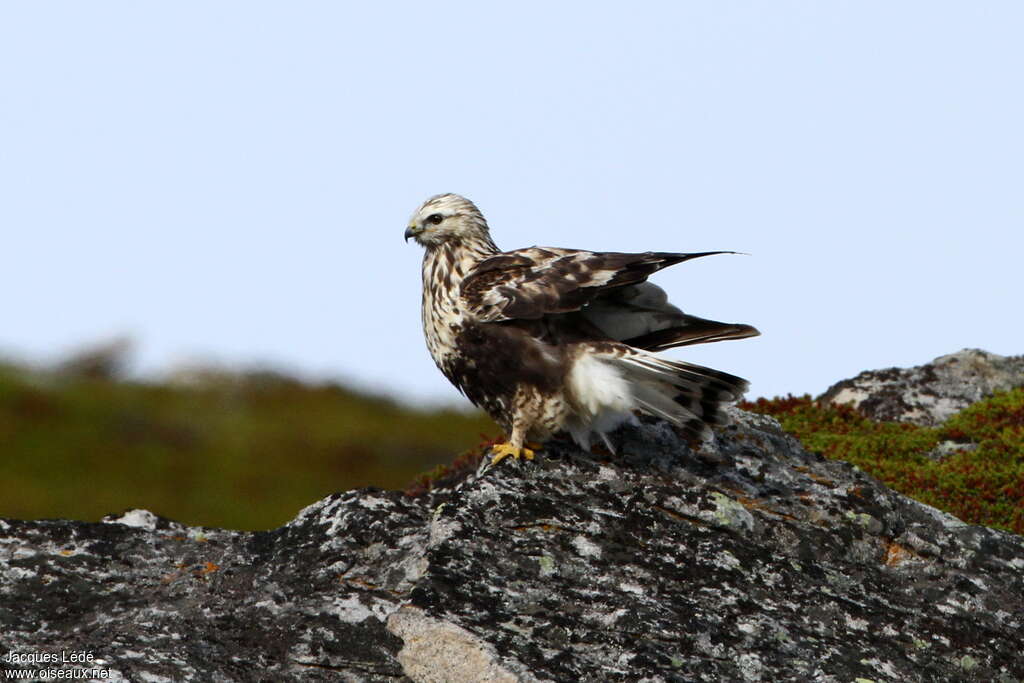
[947,448]
[157,601]
[438,650]
[929,394]
[762,563]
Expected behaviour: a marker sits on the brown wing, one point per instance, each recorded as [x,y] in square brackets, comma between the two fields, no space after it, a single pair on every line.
[527,284]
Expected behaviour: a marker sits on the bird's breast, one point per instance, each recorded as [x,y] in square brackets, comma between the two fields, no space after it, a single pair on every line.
[442,323]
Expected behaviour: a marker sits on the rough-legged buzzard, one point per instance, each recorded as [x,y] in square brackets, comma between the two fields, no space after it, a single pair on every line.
[547,339]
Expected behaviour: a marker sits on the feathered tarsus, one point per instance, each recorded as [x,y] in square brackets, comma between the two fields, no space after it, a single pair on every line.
[547,339]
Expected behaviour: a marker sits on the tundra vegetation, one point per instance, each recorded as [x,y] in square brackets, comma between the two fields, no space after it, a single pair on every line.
[247,450]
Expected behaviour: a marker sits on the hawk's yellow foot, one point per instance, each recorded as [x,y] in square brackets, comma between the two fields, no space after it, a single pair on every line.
[503,450]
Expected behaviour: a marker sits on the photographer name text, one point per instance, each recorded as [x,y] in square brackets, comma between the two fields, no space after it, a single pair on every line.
[61,657]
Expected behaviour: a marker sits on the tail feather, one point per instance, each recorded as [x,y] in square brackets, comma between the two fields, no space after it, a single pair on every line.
[714,384]
[606,385]
[690,396]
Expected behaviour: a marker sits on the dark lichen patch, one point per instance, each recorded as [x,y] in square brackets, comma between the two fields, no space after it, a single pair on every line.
[982,483]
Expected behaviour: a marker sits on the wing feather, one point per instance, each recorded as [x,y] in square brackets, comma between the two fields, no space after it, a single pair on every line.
[527,284]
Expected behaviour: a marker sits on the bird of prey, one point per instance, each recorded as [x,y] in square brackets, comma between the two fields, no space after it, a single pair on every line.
[546,339]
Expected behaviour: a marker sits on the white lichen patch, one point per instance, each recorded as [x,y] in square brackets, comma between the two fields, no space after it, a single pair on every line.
[322,509]
[586,548]
[338,523]
[487,494]
[605,618]
[138,518]
[850,396]
[22,552]
[947,520]
[412,567]
[441,529]
[726,560]
[977,581]
[352,610]
[633,588]
[856,624]
[749,627]
[705,645]
[132,654]
[372,503]
[18,573]
[750,667]
[373,552]
[886,668]
[512,626]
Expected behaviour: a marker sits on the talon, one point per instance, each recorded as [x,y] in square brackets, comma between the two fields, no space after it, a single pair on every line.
[503,450]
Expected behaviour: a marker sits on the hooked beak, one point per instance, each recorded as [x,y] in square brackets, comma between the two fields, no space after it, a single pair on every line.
[411,231]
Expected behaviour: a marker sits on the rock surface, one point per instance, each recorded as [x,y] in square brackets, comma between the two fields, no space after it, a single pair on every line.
[929,394]
[749,560]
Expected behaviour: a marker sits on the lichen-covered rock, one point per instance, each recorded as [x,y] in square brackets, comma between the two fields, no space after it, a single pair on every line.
[750,560]
[929,394]
[775,565]
[153,600]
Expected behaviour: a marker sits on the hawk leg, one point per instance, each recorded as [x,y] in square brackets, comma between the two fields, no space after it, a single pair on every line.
[525,406]
[503,450]
[514,447]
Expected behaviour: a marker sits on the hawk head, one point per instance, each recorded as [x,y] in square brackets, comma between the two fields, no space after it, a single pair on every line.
[445,218]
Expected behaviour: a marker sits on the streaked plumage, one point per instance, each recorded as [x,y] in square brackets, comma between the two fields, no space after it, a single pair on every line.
[547,339]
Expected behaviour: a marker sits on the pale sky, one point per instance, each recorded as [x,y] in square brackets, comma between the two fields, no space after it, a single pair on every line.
[230,181]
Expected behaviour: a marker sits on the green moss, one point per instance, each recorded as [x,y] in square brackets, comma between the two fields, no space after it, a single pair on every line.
[983,483]
[234,450]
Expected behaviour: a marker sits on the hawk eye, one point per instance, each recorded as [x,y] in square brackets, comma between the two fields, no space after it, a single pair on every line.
[435,218]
